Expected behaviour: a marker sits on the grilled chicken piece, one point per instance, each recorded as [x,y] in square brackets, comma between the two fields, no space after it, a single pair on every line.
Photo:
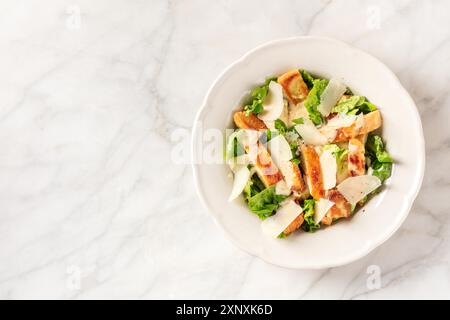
[294,225]
[248,122]
[294,87]
[356,158]
[341,208]
[293,176]
[372,121]
[265,167]
[313,171]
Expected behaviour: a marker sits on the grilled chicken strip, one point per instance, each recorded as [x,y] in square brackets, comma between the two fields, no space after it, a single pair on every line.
[243,121]
[294,225]
[293,176]
[372,121]
[264,166]
[313,171]
[356,158]
[294,87]
[341,208]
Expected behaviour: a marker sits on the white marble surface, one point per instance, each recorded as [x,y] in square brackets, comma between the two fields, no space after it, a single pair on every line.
[90,91]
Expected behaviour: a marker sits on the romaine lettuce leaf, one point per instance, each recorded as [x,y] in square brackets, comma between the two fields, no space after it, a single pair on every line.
[280,126]
[265,203]
[307,78]
[308,214]
[255,104]
[253,187]
[375,147]
[354,105]
[381,161]
[381,170]
[313,100]
[233,148]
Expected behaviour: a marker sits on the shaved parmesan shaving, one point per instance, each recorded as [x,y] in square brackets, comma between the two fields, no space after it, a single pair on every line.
[329,169]
[279,149]
[249,139]
[273,103]
[274,225]
[330,96]
[242,160]
[285,113]
[310,134]
[321,209]
[241,176]
[354,189]
[296,111]
[282,188]
[341,121]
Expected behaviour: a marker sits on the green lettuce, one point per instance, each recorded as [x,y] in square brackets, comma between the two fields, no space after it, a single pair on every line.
[233,148]
[307,78]
[255,104]
[294,148]
[354,105]
[313,100]
[265,203]
[308,214]
[280,126]
[253,187]
[381,170]
[380,160]
[299,121]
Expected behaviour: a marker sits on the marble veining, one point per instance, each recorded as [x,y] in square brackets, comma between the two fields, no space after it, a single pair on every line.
[91,93]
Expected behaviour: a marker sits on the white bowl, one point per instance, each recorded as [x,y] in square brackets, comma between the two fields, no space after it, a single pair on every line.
[348,240]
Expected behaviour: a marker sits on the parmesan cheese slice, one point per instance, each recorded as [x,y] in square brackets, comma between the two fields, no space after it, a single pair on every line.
[310,134]
[280,151]
[274,225]
[241,176]
[330,96]
[249,140]
[329,169]
[296,111]
[354,189]
[342,121]
[273,103]
[242,160]
[321,209]
[282,188]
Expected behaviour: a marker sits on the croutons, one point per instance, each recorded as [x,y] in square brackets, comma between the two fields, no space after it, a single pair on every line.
[294,87]
[294,225]
[372,121]
[341,208]
[313,171]
[356,158]
[243,121]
